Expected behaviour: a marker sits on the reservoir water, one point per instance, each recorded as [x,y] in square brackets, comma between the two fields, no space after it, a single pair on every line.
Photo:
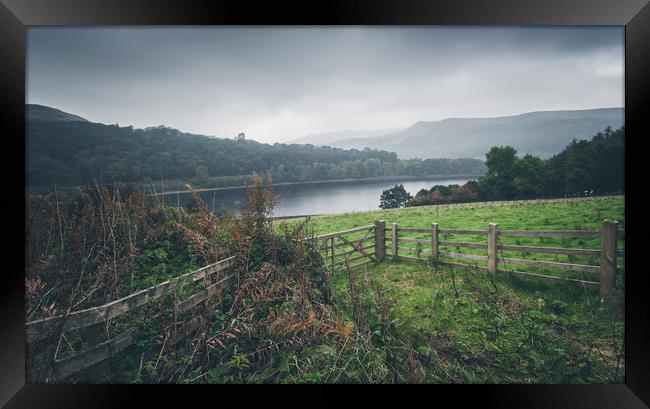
[318,198]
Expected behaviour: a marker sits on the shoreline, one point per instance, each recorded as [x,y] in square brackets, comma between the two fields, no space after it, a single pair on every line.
[347,180]
[478,204]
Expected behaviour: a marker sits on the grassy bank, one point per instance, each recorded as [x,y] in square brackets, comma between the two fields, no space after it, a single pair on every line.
[473,327]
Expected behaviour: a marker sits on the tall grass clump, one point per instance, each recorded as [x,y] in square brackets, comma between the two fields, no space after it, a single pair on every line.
[106,242]
[281,322]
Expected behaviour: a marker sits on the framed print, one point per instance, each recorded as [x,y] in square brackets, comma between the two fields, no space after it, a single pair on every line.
[360,193]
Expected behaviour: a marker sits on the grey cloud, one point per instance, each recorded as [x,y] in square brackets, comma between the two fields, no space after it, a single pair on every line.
[279,83]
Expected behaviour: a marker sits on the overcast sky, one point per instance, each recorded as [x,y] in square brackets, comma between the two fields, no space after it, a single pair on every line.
[277,84]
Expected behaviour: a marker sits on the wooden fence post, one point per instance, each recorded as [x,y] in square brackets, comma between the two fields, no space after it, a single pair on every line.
[492,247]
[394,242]
[95,335]
[434,240]
[333,253]
[608,256]
[380,240]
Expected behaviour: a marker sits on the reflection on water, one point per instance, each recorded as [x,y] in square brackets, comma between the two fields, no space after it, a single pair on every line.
[316,198]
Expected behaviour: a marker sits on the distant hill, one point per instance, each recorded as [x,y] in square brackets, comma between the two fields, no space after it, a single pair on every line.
[327,138]
[36,112]
[541,133]
[68,150]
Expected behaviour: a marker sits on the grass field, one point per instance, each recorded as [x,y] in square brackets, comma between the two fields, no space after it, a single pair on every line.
[576,214]
[476,327]
[479,329]
[579,214]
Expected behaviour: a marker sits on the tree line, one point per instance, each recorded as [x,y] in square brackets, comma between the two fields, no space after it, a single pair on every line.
[583,168]
[79,153]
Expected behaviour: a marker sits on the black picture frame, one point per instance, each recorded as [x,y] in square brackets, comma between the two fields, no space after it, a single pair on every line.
[15,15]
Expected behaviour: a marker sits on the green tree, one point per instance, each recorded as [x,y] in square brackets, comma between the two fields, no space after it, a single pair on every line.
[530,177]
[497,184]
[577,181]
[395,197]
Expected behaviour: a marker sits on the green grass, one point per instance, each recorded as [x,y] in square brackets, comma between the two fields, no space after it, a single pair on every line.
[581,214]
[501,329]
[479,328]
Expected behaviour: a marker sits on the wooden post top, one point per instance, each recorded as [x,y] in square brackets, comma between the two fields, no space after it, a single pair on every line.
[492,248]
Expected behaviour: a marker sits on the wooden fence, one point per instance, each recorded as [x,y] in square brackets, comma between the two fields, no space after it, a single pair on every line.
[343,250]
[92,323]
[350,249]
[494,260]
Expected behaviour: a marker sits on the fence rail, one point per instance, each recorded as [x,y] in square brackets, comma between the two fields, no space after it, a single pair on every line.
[550,233]
[40,329]
[460,231]
[91,320]
[551,264]
[553,250]
[343,233]
[553,279]
[463,244]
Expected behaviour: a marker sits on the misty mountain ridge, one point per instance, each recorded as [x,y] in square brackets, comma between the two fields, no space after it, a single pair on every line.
[541,133]
[331,137]
[35,112]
